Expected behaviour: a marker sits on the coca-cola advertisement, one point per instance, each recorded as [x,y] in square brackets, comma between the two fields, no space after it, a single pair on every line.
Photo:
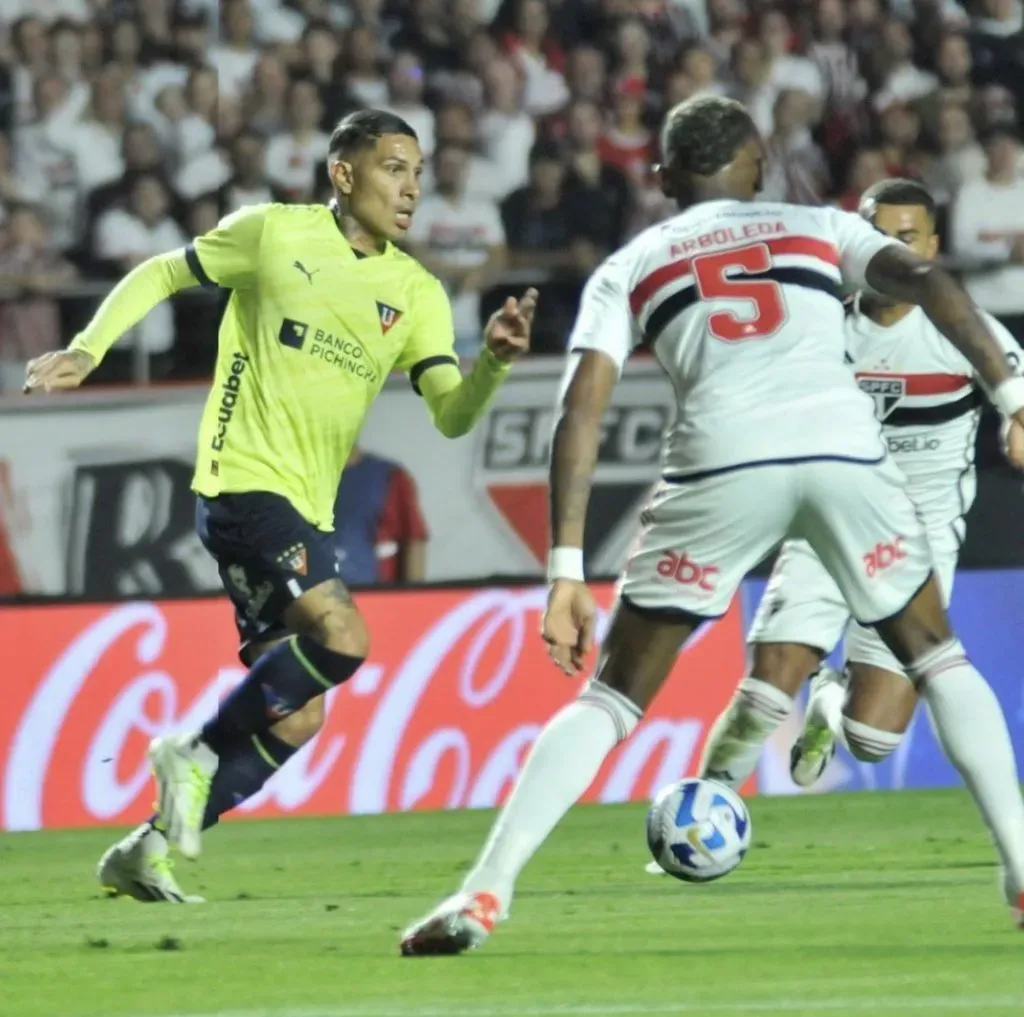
[455,689]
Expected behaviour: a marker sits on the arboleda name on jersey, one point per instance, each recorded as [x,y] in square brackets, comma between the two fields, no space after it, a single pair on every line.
[886,390]
[345,354]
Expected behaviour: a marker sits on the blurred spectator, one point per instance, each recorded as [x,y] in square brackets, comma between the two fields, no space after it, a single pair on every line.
[701,71]
[405,98]
[236,54]
[546,226]
[194,131]
[836,60]
[249,184]
[130,235]
[539,58]
[599,186]
[588,73]
[65,46]
[726,23]
[787,70]
[321,62]
[379,532]
[899,128]
[627,143]
[15,189]
[866,169]
[426,33]
[904,81]
[296,156]
[31,50]
[632,50]
[797,170]
[995,33]
[988,229]
[751,82]
[39,155]
[140,153]
[960,158]
[460,238]
[366,83]
[29,272]
[265,101]
[506,130]
[455,125]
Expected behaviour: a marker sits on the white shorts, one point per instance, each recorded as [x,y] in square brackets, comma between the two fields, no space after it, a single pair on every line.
[802,604]
[700,538]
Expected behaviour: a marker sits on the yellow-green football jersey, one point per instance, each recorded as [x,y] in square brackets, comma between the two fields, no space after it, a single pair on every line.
[310,334]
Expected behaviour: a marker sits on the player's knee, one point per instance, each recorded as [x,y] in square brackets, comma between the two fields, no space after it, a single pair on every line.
[303,725]
[342,631]
[785,666]
[869,744]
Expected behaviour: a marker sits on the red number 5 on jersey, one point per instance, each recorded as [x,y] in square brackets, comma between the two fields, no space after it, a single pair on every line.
[769,313]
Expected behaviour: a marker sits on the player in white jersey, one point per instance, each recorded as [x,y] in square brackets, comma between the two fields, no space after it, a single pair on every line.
[927,397]
[740,303]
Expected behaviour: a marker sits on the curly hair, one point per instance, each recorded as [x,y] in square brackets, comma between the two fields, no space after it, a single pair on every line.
[701,135]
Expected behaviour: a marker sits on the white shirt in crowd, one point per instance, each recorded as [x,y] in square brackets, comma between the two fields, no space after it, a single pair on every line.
[760,373]
[798,73]
[202,174]
[484,179]
[507,140]
[462,231]
[119,235]
[987,219]
[234,69]
[294,166]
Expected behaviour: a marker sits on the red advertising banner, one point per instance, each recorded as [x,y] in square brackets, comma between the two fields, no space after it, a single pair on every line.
[456,687]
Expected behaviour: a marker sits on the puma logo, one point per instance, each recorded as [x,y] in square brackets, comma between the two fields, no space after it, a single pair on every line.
[302,268]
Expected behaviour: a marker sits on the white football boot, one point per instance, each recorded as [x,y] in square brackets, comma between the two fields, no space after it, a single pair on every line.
[139,867]
[462,922]
[814,749]
[183,766]
[654,869]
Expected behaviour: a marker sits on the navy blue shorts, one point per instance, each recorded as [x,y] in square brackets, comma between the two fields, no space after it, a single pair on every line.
[267,555]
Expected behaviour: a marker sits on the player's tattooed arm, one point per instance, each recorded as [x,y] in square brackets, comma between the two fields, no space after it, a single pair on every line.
[897,272]
[591,376]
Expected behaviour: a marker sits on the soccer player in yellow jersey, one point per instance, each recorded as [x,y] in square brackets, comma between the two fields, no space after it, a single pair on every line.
[323,307]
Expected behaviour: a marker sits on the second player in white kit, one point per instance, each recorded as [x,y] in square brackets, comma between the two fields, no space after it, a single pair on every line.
[741,304]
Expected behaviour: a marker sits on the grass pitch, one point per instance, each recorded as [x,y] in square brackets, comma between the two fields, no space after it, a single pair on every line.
[880,904]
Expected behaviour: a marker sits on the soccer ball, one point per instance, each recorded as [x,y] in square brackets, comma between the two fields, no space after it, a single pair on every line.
[698,830]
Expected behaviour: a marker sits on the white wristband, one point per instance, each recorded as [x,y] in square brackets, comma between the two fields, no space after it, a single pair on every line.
[565,563]
[1008,397]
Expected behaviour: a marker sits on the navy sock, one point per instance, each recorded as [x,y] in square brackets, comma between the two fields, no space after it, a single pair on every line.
[282,681]
[243,769]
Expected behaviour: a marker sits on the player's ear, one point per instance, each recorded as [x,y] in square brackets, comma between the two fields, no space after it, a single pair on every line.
[341,175]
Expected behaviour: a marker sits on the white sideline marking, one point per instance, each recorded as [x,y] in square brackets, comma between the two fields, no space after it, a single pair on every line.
[905,1005]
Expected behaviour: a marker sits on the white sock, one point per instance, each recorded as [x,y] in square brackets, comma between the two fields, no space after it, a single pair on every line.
[562,764]
[826,704]
[738,736]
[972,729]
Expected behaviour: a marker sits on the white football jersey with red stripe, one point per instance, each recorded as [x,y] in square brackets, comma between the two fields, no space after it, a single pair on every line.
[741,304]
[929,401]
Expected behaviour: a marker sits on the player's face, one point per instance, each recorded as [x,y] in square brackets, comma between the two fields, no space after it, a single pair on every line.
[382,185]
[912,225]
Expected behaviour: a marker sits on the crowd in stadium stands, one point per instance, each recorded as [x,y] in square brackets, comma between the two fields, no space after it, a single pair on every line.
[127,126]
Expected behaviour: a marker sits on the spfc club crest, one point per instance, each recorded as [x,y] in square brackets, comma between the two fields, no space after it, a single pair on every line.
[512,465]
[887,390]
[388,316]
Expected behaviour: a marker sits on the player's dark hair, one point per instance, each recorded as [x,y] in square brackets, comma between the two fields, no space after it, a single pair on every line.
[897,191]
[363,129]
[701,135]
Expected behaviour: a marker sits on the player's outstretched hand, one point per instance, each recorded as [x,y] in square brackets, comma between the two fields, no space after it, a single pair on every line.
[507,334]
[54,371]
[569,622]
[1013,441]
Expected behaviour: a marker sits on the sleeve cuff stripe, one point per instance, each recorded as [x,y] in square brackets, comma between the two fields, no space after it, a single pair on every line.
[197,269]
[425,365]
